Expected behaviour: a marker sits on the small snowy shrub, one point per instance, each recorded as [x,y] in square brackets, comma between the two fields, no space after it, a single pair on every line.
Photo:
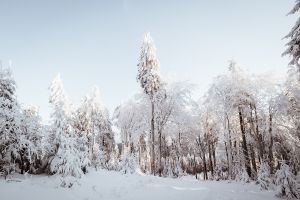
[286,183]
[178,172]
[128,163]
[167,171]
[114,163]
[243,176]
[220,174]
[263,177]
[67,160]
[98,160]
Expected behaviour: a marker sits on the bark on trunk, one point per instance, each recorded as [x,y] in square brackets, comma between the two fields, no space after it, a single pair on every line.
[152,139]
[160,166]
[205,168]
[210,160]
[244,143]
[253,160]
[214,155]
[260,139]
[271,159]
[229,167]
[229,148]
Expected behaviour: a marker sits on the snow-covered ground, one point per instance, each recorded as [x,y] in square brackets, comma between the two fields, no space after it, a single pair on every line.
[113,185]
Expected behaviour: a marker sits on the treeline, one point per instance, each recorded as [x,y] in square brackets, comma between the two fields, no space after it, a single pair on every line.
[77,138]
[245,127]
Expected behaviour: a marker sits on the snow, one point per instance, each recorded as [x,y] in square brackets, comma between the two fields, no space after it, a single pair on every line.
[112,185]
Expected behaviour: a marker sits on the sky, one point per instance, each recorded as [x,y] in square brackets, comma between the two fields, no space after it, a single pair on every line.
[97,43]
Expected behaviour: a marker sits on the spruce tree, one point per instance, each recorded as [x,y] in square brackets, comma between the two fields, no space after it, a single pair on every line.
[67,159]
[293,46]
[286,182]
[150,81]
[9,122]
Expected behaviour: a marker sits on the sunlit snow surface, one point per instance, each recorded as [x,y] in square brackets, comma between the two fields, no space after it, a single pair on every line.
[113,185]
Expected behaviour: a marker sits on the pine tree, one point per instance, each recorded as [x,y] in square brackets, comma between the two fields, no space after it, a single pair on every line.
[31,132]
[178,172]
[9,122]
[128,163]
[263,176]
[67,159]
[114,163]
[100,134]
[168,171]
[286,182]
[243,176]
[149,78]
[293,48]
[60,116]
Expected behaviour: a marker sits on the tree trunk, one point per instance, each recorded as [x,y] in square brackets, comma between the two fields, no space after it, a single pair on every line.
[160,167]
[229,149]
[271,158]
[210,160]
[244,143]
[253,160]
[22,162]
[205,168]
[228,162]
[194,169]
[152,139]
[214,155]
[260,139]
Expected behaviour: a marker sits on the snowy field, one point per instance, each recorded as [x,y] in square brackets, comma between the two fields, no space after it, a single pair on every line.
[113,185]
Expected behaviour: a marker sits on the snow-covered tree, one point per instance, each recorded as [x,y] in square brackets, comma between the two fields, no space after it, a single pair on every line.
[148,67]
[10,138]
[286,183]
[132,120]
[128,163]
[263,177]
[149,78]
[287,120]
[293,48]
[172,104]
[67,158]
[114,161]
[243,176]
[60,116]
[92,121]
[31,132]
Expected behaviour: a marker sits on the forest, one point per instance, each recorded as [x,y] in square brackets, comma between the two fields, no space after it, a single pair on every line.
[246,127]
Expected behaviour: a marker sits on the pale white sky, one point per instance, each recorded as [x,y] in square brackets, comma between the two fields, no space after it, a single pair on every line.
[97,42]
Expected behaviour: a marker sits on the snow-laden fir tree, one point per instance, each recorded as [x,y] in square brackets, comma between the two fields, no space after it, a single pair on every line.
[148,71]
[149,78]
[263,176]
[114,161]
[293,48]
[60,116]
[286,182]
[67,156]
[178,172]
[9,122]
[32,151]
[132,121]
[20,131]
[100,136]
[128,163]
[68,159]
[243,176]
[91,122]
[168,169]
